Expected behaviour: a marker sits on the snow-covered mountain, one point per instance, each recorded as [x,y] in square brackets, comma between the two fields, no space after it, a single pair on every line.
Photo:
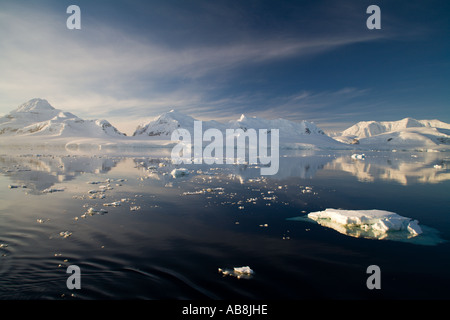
[37,121]
[304,134]
[407,133]
[288,129]
[163,125]
[365,129]
[38,118]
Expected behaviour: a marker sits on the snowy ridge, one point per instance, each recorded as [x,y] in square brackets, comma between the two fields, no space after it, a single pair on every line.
[38,118]
[295,135]
[365,129]
[405,134]
[163,125]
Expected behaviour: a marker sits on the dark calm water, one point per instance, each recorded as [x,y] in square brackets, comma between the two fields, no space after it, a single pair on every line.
[169,236]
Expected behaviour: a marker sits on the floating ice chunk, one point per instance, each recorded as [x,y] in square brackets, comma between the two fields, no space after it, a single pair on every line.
[243,270]
[14,186]
[112,204]
[105,187]
[65,234]
[374,224]
[51,190]
[91,211]
[358,156]
[98,195]
[176,173]
[188,193]
[238,272]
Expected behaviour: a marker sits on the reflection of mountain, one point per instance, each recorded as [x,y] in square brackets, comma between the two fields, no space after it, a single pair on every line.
[38,172]
[304,165]
[402,168]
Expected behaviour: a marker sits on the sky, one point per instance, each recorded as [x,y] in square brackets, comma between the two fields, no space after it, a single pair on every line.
[299,60]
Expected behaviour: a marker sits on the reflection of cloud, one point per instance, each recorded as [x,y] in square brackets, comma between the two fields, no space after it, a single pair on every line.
[404,170]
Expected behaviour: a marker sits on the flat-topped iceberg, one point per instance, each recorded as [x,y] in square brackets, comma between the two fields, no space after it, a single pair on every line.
[181,172]
[372,224]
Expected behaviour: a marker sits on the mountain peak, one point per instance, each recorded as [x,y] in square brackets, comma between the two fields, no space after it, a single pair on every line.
[35,105]
[242,118]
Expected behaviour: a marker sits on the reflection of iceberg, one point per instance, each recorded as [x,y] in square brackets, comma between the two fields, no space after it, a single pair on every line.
[373,224]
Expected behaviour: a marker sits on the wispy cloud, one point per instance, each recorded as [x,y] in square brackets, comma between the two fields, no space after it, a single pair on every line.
[105,71]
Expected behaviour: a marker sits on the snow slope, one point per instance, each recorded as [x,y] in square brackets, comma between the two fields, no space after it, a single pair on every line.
[37,121]
[38,118]
[405,134]
[296,135]
[163,125]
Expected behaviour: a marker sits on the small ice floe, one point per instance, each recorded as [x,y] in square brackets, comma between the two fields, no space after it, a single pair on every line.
[306,190]
[371,224]
[180,172]
[358,156]
[239,272]
[189,193]
[112,204]
[98,195]
[105,187]
[51,190]
[91,211]
[65,234]
[15,186]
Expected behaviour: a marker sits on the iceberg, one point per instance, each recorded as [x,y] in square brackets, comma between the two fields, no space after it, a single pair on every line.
[372,224]
[176,173]
[51,190]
